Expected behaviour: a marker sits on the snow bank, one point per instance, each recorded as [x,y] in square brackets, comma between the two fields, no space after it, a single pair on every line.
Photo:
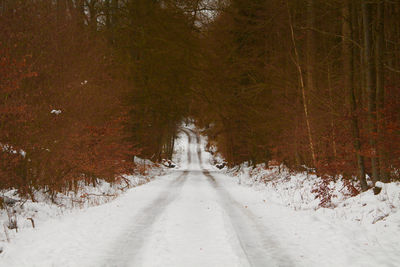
[361,230]
[301,191]
[22,215]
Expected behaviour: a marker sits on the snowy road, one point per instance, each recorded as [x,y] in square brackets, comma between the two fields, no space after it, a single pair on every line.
[206,226]
[193,216]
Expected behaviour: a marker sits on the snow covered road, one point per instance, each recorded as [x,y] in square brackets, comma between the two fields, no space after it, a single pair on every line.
[206,226]
[193,216]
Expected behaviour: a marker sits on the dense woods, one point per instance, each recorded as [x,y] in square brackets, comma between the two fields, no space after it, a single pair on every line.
[87,85]
[307,83]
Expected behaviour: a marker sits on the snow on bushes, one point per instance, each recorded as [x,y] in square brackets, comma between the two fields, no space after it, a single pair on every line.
[339,199]
[19,213]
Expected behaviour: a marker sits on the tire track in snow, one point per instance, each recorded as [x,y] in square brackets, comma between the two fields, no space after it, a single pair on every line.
[258,246]
[198,147]
[129,245]
[189,136]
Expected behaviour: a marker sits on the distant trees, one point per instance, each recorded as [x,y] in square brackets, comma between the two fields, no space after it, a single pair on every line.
[157,45]
[232,82]
[305,82]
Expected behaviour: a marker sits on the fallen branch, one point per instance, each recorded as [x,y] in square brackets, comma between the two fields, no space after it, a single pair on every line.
[23,202]
[126,186]
[32,221]
[379,218]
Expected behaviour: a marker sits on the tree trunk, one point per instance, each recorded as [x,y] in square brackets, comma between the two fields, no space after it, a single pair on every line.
[80,11]
[107,13]
[348,71]
[92,14]
[332,119]
[310,49]
[380,88]
[114,15]
[302,86]
[370,85]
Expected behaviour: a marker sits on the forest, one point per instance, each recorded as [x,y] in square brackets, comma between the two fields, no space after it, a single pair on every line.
[88,85]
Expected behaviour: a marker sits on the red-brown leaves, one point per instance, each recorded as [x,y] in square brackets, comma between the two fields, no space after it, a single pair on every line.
[47,66]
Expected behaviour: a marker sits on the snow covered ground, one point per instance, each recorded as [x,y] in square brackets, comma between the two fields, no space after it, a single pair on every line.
[197,215]
[22,214]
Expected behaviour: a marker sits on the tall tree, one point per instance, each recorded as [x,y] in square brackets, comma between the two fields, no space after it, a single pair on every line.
[370,85]
[348,73]
[301,79]
[380,87]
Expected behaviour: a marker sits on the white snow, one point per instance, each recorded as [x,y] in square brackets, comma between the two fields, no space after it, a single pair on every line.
[63,205]
[10,149]
[197,215]
[355,231]
[295,190]
[56,111]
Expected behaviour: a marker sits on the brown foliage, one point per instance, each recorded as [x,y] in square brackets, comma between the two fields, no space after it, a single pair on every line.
[250,90]
[49,62]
